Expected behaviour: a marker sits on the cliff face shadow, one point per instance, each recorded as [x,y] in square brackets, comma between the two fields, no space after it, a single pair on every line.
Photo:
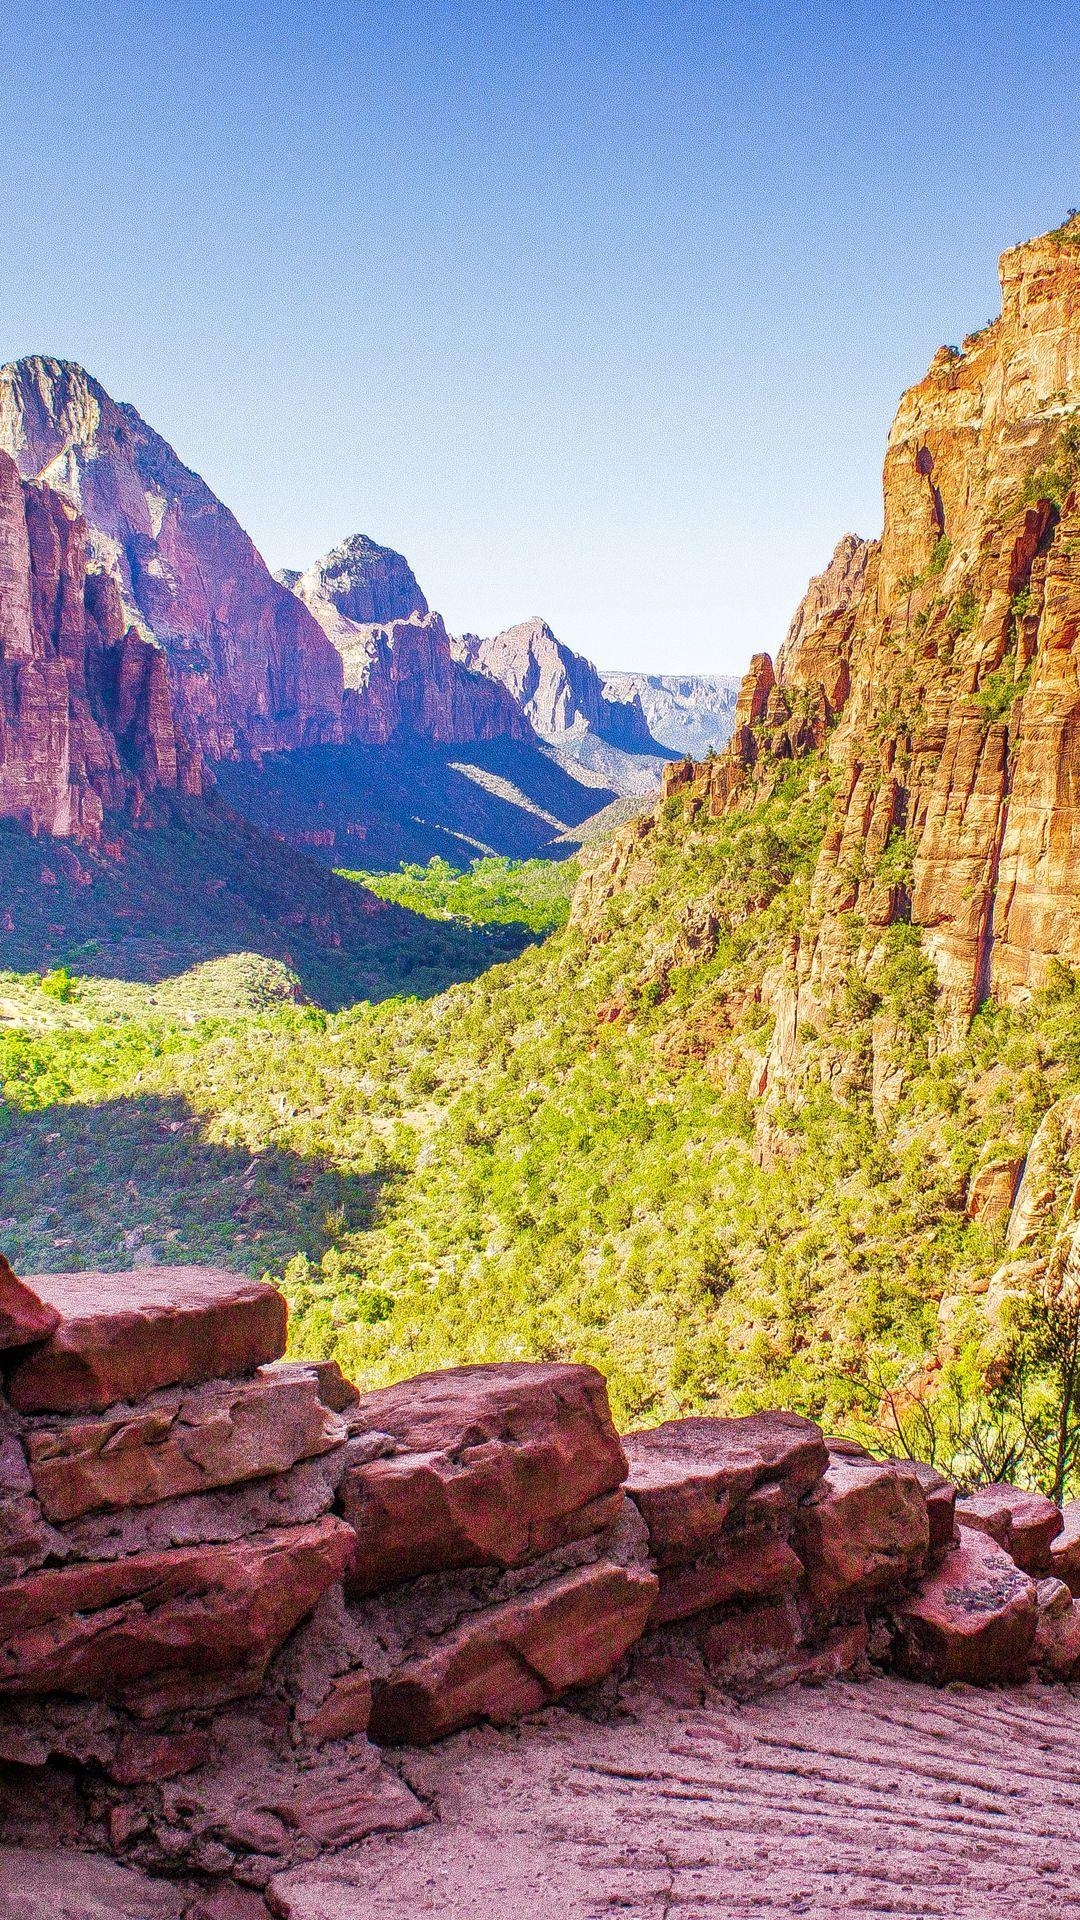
[197,883]
[134,1182]
[373,807]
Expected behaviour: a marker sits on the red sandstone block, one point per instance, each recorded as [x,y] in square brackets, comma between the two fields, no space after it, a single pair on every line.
[495,1466]
[1024,1524]
[24,1316]
[159,1631]
[973,1618]
[121,1335]
[511,1658]
[862,1534]
[689,1477]
[1065,1550]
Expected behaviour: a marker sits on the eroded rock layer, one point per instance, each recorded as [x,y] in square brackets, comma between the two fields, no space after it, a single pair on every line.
[226,1579]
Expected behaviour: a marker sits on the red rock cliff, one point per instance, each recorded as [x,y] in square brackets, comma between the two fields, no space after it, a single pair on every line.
[939,669]
[249,668]
[86,717]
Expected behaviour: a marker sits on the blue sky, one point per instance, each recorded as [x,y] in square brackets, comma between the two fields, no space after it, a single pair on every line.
[597,312]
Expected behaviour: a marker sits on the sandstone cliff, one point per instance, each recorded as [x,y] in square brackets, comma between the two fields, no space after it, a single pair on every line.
[86,719]
[401,677]
[248,667]
[937,671]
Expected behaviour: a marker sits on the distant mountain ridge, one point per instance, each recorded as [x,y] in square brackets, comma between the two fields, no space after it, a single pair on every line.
[146,648]
[687,713]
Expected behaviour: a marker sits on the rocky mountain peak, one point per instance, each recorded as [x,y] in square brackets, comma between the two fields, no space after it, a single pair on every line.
[248,668]
[367,583]
[560,691]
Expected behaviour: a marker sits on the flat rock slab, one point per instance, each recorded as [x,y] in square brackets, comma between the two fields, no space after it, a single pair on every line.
[689,1477]
[488,1466]
[61,1884]
[179,1441]
[880,1798]
[123,1335]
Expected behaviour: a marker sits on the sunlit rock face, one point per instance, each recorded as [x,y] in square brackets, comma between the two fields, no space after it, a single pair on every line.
[937,668]
[248,666]
[86,716]
[402,677]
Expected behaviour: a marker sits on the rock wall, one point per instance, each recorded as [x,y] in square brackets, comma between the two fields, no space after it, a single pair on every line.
[232,1587]
[249,668]
[86,714]
[938,670]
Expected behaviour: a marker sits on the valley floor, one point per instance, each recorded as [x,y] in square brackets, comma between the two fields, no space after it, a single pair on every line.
[855,1798]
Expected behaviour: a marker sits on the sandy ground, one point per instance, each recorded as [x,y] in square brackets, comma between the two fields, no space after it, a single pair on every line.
[850,1799]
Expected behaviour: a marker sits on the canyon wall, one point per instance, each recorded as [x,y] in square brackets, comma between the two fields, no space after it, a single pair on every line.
[936,670]
[86,716]
[248,667]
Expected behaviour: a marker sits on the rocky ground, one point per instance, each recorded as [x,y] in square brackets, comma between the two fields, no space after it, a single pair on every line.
[879,1797]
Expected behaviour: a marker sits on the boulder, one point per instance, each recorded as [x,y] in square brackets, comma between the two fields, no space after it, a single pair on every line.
[121,1336]
[1057,1634]
[509,1659]
[862,1534]
[180,1441]
[491,1466]
[24,1316]
[1024,1524]
[1065,1549]
[689,1478]
[156,1632]
[940,1497]
[973,1618]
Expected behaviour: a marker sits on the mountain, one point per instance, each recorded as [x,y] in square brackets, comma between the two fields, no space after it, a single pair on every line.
[686,713]
[789,1112]
[564,697]
[86,716]
[937,669]
[401,677]
[145,649]
[247,666]
[365,583]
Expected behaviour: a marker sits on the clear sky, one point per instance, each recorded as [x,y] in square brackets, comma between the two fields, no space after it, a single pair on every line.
[599,312]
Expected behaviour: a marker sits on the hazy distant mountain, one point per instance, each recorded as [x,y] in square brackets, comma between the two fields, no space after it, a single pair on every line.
[686,713]
[564,696]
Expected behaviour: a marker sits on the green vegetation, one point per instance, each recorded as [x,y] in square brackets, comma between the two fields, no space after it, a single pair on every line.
[599,1150]
[1056,479]
[962,614]
[197,883]
[494,891]
[1000,689]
